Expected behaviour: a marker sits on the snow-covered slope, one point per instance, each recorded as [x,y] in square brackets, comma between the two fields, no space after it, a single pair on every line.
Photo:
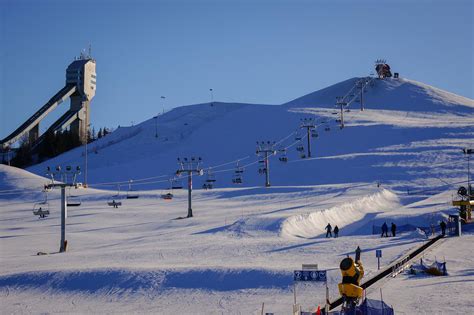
[398,161]
[391,94]
[406,127]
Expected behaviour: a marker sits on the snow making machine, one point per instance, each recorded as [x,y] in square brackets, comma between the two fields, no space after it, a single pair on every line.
[465,203]
[352,272]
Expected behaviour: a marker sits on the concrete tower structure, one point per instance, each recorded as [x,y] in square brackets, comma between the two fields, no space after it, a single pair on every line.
[81,73]
[80,88]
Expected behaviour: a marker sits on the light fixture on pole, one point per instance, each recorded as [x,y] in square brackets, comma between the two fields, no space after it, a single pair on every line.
[163,103]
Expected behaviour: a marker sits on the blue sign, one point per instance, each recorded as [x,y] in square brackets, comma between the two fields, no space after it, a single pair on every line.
[309,275]
[378,253]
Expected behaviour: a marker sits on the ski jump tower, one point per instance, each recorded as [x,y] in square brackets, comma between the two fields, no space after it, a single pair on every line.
[80,88]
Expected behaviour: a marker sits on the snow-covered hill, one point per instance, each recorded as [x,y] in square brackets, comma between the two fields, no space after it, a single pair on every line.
[406,127]
[397,161]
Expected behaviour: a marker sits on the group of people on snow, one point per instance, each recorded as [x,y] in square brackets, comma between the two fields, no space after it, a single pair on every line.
[385,229]
[393,229]
[329,231]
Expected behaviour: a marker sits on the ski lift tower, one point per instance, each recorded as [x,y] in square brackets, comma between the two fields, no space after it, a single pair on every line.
[308,123]
[190,166]
[266,149]
[340,102]
[68,173]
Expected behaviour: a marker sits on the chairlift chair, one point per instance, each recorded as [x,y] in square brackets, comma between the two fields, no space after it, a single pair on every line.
[131,194]
[300,148]
[41,209]
[175,184]
[303,156]
[113,203]
[210,178]
[207,186]
[327,129]
[237,179]
[73,201]
[238,169]
[314,134]
[167,196]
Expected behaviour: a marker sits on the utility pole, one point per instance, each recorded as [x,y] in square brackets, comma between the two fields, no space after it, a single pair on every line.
[86,158]
[64,174]
[468,152]
[308,123]
[163,103]
[190,166]
[265,149]
[341,103]
[212,96]
[158,114]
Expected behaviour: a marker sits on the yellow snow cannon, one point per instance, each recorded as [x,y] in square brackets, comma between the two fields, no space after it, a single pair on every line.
[352,272]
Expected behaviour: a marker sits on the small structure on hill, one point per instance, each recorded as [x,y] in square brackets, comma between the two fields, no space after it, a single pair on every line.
[382,68]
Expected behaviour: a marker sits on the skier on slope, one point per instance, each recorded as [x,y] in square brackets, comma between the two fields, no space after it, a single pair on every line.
[336,231]
[329,230]
[443,228]
[384,229]
[394,229]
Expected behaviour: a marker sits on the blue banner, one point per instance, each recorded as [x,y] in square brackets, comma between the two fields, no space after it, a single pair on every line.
[309,275]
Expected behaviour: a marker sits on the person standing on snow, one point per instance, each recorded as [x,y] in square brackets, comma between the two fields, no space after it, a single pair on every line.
[329,230]
[442,225]
[336,231]
[394,229]
[384,229]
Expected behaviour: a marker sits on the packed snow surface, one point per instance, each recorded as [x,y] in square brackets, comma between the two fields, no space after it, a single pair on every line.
[399,160]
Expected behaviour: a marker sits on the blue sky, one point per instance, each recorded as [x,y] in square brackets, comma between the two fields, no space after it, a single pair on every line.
[264,52]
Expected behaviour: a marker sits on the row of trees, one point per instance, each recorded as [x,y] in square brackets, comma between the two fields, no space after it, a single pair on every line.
[52,145]
[102,133]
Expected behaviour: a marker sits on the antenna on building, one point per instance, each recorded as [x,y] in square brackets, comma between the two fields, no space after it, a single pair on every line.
[90,50]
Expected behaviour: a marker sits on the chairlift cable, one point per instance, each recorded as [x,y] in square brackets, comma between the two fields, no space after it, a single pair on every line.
[224,164]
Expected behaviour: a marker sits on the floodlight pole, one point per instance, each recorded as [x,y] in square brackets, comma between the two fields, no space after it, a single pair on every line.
[468,152]
[190,166]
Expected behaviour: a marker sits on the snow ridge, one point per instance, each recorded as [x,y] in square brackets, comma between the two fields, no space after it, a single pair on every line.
[348,216]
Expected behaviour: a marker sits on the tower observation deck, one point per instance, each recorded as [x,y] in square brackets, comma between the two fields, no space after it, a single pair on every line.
[80,87]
